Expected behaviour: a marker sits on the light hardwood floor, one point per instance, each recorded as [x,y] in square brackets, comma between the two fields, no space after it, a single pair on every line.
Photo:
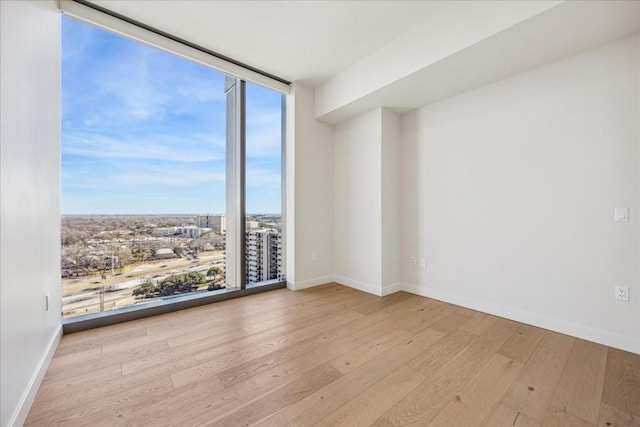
[330,356]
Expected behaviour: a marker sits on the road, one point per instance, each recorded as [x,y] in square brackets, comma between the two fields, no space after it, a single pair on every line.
[83,296]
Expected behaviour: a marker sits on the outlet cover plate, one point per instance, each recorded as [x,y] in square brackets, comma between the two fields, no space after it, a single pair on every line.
[622,293]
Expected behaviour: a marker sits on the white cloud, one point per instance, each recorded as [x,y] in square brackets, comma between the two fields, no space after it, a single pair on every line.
[190,148]
[167,176]
[139,124]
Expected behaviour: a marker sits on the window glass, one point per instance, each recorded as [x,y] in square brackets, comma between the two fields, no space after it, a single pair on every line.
[263,183]
[143,161]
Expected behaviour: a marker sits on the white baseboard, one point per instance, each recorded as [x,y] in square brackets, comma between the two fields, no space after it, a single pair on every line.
[556,325]
[393,288]
[304,284]
[24,406]
[361,286]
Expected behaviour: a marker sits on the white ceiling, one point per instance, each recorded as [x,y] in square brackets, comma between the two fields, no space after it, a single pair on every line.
[470,45]
[307,41]
[360,55]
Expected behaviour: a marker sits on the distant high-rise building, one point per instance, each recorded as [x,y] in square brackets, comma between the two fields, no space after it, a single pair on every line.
[217,223]
[263,255]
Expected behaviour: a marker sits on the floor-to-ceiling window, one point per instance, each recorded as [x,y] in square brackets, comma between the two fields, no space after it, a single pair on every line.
[172,176]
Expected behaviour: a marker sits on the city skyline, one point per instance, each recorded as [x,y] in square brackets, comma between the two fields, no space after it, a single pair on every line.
[143,131]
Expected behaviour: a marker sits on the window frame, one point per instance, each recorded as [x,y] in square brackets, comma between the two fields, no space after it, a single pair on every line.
[143,33]
[236,76]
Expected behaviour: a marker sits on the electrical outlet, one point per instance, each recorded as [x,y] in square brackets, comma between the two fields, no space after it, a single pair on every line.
[423,263]
[314,257]
[621,215]
[413,260]
[622,293]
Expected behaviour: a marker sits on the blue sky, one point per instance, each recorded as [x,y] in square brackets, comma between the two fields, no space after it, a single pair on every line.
[143,131]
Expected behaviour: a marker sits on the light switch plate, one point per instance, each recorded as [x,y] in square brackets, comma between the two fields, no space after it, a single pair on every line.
[621,214]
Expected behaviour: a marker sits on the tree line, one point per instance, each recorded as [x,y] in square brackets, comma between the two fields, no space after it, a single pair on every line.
[181,283]
[125,241]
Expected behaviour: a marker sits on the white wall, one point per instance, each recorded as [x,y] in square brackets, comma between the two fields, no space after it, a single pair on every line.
[29,206]
[358,201]
[390,210]
[309,192]
[367,198]
[509,193]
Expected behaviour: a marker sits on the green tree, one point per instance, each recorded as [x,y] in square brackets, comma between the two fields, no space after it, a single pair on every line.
[145,290]
[215,273]
[180,283]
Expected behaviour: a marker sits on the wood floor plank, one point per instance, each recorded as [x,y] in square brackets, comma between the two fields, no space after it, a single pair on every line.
[76,409]
[381,422]
[335,356]
[284,337]
[423,404]
[169,356]
[317,313]
[416,322]
[622,381]
[255,410]
[614,417]
[410,304]
[261,384]
[104,334]
[165,409]
[72,359]
[450,322]
[99,376]
[367,407]
[238,353]
[435,357]
[112,350]
[209,332]
[478,324]
[236,314]
[91,342]
[532,391]
[240,372]
[557,343]
[411,322]
[483,392]
[382,303]
[359,356]
[65,368]
[504,416]
[579,390]
[522,344]
[427,304]
[314,408]
[560,418]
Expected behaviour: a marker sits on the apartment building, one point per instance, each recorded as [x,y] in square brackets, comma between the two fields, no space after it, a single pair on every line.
[263,255]
[188,231]
[217,223]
